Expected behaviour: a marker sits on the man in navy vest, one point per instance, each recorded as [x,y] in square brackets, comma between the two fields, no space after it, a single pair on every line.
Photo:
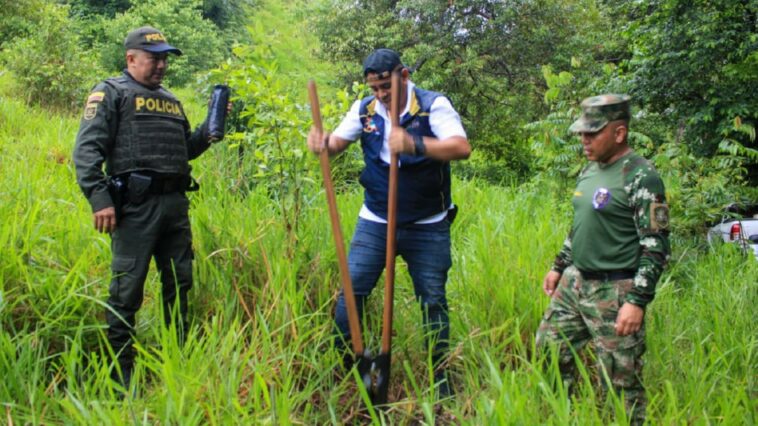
[429,137]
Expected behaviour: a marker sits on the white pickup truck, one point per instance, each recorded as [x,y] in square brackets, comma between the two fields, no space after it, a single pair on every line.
[738,225]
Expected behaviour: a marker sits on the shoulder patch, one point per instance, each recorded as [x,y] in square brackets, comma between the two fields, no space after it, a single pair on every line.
[659,216]
[95,97]
[90,110]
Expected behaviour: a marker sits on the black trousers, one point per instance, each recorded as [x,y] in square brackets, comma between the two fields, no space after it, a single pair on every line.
[157,228]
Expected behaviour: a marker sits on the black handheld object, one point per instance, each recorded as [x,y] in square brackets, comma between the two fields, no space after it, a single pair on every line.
[217,112]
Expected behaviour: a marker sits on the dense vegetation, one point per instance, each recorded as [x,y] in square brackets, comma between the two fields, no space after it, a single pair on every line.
[58,49]
[265,268]
[517,70]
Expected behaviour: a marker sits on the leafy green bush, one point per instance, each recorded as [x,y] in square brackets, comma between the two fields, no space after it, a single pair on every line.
[50,63]
[700,187]
[109,8]
[226,13]
[557,152]
[18,18]
[182,24]
[695,62]
[269,142]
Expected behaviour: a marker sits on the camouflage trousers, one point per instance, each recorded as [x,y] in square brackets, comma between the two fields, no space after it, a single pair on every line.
[585,310]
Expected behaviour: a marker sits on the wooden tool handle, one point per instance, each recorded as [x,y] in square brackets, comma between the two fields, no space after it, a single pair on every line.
[389,268]
[347,285]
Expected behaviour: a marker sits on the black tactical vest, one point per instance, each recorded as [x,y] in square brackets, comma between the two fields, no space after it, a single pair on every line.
[151,132]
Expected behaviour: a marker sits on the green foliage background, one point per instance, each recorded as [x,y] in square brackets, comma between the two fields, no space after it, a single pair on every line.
[52,67]
[484,55]
[259,349]
[266,272]
[182,24]
[694,62]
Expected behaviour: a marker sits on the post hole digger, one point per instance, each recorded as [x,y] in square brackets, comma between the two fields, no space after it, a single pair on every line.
[374,372]
[362,358]
[382,363]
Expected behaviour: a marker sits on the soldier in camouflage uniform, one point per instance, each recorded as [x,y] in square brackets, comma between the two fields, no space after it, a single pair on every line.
[607,270]
[139,130]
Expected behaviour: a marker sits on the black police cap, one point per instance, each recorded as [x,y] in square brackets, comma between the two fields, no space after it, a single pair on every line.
[149,39]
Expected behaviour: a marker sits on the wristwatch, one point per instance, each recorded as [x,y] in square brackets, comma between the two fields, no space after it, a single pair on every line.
[418,143]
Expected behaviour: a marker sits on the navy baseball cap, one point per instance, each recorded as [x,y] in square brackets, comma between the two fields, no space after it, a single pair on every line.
[381,62]
[149,39]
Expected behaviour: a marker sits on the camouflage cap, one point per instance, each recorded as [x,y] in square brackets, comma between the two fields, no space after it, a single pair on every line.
[598,111]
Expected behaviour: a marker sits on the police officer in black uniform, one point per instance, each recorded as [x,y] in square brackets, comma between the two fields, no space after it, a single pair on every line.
[140,131]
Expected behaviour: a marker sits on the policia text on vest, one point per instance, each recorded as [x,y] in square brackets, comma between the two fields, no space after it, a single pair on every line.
[158,105]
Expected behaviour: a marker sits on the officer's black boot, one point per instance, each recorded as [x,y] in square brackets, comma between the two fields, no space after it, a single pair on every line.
[121,340]
[122,375]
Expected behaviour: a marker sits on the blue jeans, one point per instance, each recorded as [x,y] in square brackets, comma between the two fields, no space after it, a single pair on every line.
[426,250]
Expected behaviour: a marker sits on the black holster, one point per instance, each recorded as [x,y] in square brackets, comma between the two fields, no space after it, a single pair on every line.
[136,187]
[117,191]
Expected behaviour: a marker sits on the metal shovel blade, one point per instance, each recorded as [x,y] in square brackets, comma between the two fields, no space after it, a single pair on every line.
[363,364]
[380,375]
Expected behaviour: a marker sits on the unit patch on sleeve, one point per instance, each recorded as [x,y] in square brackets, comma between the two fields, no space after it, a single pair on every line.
[90,110]
[659,216]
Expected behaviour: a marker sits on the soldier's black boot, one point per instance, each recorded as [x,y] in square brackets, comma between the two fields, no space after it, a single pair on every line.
[442,385]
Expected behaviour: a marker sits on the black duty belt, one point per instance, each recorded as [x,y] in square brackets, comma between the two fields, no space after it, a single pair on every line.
[168,184]
[159,184]
[623,274]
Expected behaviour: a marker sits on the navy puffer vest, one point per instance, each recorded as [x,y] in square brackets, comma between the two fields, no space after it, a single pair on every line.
[423,183]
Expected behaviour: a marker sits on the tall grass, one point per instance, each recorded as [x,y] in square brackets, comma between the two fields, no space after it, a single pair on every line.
[259,350]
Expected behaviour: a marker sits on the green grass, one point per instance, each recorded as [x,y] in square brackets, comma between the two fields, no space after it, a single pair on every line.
[259,350]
